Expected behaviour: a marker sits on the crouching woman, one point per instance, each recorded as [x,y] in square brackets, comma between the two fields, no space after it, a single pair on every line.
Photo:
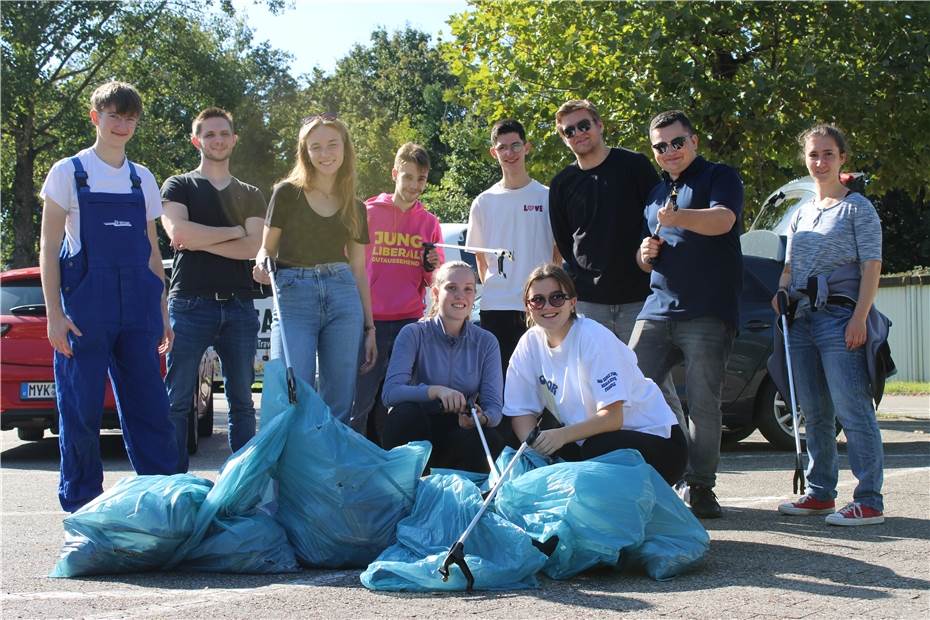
[439,368]
[588,379]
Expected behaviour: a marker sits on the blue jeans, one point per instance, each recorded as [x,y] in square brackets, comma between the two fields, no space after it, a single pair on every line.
[231,328]
[704,344]
[833,382]
[321,312]
[620,319]
[368,389]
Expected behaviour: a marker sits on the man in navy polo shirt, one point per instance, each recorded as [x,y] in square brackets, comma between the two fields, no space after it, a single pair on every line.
[696,270]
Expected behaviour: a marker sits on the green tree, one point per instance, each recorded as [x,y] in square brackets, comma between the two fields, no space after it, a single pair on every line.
[751,75]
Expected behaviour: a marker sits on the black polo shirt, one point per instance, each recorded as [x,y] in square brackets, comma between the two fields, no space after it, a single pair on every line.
[697,275]
[597,222]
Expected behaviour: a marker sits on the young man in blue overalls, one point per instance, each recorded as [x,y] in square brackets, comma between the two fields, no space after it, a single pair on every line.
[104,296]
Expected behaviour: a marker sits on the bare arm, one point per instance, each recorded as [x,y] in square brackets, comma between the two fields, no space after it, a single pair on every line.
[356,255]
[482,265]
[605,420]
[711,222]
[556,255]
[243,248]
[157,268]
[856,331]
[53,231]
[187,235]
[271,237]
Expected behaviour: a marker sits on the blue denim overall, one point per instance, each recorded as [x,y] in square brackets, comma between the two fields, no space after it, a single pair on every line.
[112,296]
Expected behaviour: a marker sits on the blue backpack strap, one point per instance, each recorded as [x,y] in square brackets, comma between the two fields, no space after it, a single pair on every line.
[134,177]
[80,176]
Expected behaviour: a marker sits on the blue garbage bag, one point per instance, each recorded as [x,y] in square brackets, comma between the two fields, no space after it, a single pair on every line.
[245,483]
[500,555]
[250,544]
[605,510]
[340,496]
[135,526]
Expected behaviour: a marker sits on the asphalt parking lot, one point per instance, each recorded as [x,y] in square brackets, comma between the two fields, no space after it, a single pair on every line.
[760,564]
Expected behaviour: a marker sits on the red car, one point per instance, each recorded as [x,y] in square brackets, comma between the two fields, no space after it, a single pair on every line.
[27,383]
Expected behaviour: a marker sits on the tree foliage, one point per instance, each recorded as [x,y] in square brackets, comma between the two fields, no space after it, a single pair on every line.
[751,75]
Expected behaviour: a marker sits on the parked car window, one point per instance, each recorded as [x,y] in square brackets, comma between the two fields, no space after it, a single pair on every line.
[772,216]
[22,293]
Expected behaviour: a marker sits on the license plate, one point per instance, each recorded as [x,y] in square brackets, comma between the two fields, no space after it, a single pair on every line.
[37,391]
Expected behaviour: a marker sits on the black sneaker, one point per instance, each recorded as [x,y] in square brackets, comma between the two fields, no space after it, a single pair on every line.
[704,504]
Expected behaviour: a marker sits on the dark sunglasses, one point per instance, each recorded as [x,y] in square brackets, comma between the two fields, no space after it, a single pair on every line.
[556,300]
[676,144]
[570,131]
[325,116]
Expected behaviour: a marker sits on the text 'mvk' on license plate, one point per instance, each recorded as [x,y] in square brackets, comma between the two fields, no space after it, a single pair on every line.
[44,390]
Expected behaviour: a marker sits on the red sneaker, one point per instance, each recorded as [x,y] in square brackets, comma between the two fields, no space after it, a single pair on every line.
[808,505]
[855,513]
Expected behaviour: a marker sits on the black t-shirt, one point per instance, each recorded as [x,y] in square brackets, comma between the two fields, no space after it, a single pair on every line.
[197,272]
[597,222]
[308,238]
[698,275]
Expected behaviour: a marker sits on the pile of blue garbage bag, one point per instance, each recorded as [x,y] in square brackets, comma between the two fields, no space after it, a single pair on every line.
[307,491]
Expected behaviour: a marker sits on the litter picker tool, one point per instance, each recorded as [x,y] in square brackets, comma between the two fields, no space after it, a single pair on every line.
[671,201]
[456,553]
[501,253]
[799,480]
[272,267]
[484,442]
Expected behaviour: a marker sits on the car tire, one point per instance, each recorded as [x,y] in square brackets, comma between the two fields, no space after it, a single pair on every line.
[773,417]
[193,439]
[30,434]
[205,423]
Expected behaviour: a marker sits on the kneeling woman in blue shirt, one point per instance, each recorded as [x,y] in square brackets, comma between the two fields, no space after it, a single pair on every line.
[439,366]
[588,379]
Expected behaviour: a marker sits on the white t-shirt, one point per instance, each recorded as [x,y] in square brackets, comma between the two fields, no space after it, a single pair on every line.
[588,371]
[60,187]
[516,220]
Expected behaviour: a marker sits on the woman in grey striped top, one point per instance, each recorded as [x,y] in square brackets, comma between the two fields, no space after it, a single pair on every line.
[832,270]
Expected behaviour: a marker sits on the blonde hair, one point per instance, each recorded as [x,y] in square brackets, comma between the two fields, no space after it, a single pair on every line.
[442,275]
[573,106]
[543,272]
[302,174]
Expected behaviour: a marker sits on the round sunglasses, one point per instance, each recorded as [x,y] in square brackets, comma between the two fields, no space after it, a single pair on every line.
[538,302]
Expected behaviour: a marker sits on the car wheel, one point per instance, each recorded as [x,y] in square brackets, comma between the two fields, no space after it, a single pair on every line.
[773,417]
[205,422]
[193,439]
[30,434]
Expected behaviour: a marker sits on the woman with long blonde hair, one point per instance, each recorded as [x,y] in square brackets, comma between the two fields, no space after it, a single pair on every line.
[440,367]
[316,230]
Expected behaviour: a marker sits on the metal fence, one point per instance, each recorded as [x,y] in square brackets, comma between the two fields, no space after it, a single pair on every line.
[906,301]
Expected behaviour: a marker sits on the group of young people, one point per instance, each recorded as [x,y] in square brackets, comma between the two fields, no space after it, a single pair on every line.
[616,276]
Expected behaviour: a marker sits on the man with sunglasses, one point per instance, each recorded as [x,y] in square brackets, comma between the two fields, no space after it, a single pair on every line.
[696,269]
[596,212]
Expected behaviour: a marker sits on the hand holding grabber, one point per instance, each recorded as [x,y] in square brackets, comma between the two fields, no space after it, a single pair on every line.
[670,203]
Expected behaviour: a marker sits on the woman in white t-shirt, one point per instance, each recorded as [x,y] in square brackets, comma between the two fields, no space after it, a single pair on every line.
[588,380]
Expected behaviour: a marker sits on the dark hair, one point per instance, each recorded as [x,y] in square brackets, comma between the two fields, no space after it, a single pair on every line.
[212,112]
[122,96]
[824,130]
[507,125]
[550,270]
[414,154]
[670,117]
[573,106]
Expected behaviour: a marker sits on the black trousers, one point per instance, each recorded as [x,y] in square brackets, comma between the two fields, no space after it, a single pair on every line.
[507,326]
[669,456]
[454,447]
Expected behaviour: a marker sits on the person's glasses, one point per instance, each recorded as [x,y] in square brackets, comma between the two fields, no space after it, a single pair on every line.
[325,116]
[676,143]
[556,300]
[570,131]
[515,147]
